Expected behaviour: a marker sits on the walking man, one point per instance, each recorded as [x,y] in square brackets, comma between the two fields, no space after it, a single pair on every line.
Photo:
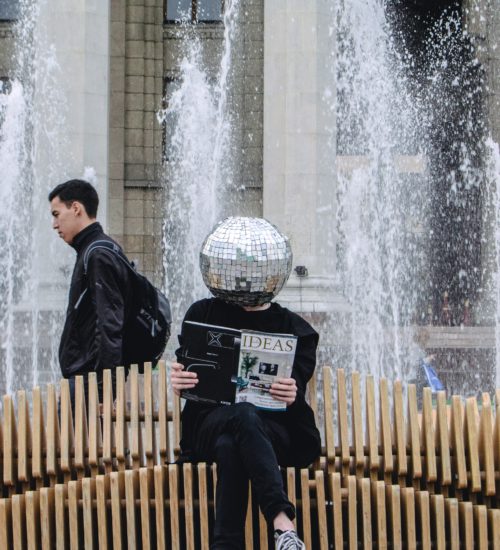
[100,288]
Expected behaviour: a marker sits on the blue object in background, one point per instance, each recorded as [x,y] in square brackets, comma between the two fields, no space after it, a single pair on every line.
[434,382]
[9,10]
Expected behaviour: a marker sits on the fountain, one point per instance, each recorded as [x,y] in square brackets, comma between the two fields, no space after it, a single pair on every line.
[198,166]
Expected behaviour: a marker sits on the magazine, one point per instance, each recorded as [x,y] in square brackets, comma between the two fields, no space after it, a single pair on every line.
[212,352]
[235,366]
[263,358]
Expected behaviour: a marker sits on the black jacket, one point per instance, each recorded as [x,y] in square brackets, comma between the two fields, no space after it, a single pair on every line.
[92,335]
[298,419]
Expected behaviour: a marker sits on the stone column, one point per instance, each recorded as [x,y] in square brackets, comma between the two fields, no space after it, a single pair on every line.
[299,143]
[70,108]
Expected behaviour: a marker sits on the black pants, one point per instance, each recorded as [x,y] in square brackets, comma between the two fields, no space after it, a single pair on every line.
[245,444]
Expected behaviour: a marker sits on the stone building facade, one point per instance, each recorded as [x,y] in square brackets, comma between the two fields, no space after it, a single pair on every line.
[145,52]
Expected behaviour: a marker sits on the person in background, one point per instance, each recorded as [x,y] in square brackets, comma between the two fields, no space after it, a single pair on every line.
[246,442]
[91,340]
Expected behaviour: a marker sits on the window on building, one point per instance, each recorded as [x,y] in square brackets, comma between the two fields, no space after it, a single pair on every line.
[9,10]
[195,11]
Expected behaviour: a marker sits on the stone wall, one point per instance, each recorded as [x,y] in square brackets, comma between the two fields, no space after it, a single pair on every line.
[135,189]
[6,48]
[145,52]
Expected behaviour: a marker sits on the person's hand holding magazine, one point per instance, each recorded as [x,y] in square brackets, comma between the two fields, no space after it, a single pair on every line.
[284,389]
[181,379]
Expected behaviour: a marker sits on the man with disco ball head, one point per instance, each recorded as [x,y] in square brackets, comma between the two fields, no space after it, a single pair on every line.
[245,262]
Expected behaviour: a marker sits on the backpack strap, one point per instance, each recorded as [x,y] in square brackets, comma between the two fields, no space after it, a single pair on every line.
[104,245]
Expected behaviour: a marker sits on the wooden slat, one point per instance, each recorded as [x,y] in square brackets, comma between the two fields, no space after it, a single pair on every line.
[380,513]
[472,440]
[290,486]
[399,429]
[336,521]
[409,517]
[176,418]
[453,523]
[394,506]
[149,426]
[328,405]
[19,535]
[47,518]
[494,526]
[89,522]
[366,512]
[135,425]
[33,538]
[74,522]
[443,440]
[424,519]
[121,439]
[439,522]
[371,428]
[187,470]
[102,483]
[173,488]
[496,436]
[312,393]
[429,437]
[164,447]
[458,442]
[263,544]
[38,437]
[466,525]
[321,510]
[414,434]
[67,434]
[203,499]
[107,422]
[81,428]
[352,509]
[146,492]
[481,527]
[117,487]
[131,493]
[306,508]
[486,446]
[23,438]
[385,429]
[249,534]
[357,424]
[343,422]
[6,522]
[53,436]
[95,432]
[62,528]
[9,441]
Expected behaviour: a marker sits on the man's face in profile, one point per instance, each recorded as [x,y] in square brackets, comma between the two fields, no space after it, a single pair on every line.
[66,220]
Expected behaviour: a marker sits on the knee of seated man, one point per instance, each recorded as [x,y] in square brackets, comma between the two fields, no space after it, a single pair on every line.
[246,414]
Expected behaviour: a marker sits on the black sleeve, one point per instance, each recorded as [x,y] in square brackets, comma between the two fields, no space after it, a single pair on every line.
[305,360]
[106,288]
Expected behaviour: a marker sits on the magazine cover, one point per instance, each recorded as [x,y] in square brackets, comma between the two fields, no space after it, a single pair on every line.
[263,357]
[212,352]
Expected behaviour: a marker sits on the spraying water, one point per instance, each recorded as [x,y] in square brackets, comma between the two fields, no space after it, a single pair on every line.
[31,139]
[198,166]
[377,210]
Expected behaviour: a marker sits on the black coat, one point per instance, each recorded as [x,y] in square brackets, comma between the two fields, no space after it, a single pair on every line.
[298,420]
[92,336]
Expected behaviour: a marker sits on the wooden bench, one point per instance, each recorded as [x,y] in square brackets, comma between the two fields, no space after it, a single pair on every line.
[382,465]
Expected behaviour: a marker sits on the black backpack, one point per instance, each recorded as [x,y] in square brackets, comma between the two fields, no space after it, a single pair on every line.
[147,327]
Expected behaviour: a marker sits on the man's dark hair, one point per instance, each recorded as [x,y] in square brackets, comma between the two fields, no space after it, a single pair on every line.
[77,190]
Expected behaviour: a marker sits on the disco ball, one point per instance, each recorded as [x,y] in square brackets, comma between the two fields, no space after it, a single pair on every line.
[245,261]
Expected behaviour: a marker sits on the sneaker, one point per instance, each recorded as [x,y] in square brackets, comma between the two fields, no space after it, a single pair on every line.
[288,540]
